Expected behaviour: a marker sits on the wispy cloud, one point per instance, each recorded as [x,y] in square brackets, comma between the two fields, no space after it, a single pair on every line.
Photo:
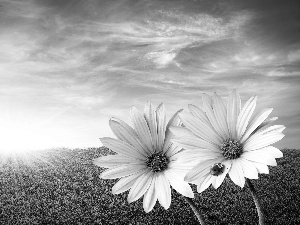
[91,60]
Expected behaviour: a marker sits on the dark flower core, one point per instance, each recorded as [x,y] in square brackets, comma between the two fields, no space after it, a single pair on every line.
[217,169]
[231,149]
[157,162]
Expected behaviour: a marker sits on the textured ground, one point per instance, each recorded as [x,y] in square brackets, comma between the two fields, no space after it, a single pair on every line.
[62,186]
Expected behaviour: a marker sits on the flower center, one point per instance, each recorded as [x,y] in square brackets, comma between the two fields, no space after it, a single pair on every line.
[231,149]
[217,169]
[157,162]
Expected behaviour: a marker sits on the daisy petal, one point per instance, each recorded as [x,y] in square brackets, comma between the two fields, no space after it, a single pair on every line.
[207,106]
[121,148]
[261,141]
[244,116]
[151,119]
[266,130]
[181,131]
[267,122]
[260,156]
[163,190]
[219,179]
[173,149]
[220,113]
[125,183]
[256,121]
[249,168]
[127,134]
[236,173]
[141,127]
[261,168]
[161,124]
[174,121]
[140,186]
[199,113]
[122,171]
[190,156]
[233,110]
[193,142]
[201,169]
[205,184]
[150,197]
[113,160]
[200,129]
[179,184]
[275,152]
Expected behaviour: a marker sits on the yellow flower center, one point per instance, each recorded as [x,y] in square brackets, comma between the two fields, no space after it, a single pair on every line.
[231,149]
[157,162]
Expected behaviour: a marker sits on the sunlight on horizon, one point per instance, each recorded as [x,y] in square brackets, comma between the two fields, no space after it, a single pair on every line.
[21,132]
[20,138]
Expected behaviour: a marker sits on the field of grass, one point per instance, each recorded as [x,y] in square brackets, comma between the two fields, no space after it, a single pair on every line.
[62,186]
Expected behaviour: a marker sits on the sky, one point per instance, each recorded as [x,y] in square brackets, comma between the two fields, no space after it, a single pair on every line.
[67,67]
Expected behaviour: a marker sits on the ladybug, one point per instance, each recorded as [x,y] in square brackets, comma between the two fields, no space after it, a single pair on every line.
[217,169]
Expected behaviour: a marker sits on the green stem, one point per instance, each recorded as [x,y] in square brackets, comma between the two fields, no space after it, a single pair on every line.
[257,202]
[195,210]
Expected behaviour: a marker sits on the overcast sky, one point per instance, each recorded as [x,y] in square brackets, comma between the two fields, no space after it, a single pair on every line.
[66,67]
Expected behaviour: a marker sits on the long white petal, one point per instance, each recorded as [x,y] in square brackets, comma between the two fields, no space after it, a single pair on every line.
[262,141]
[207,107]
[125,183]
[140,186]
[192,142]
[201,169]
[266,123]
[179,184]
[161,125]
[122,171]
[271,129]
[255,122]
[275,152]
[200,129]
[220,113]
[127,134]
[219,179]
[249,168]
[261,168]
[113,160]
[121,147]
[150,197]
[205,184]
[174,121]
[141,127]
[173,149]
[233,111]
[260,156]
[181,131]
[244,116]
[236,173]
[163,190]
[196,155]
[150,116]
[199,113]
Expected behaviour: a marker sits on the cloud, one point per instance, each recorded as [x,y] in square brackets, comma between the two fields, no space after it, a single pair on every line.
[294,56]
[97,58]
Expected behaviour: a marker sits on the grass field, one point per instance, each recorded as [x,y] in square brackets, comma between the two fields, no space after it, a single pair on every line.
[61,186]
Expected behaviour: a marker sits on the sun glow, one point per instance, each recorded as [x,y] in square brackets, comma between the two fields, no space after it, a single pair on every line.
[21,136]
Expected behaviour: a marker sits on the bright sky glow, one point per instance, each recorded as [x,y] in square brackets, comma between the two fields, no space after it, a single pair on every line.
[67,67]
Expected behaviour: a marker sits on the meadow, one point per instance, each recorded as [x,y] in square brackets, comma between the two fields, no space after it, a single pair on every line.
[62,186]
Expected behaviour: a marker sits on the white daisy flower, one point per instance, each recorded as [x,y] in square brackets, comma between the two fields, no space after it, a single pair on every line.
[146,161]
[223,138]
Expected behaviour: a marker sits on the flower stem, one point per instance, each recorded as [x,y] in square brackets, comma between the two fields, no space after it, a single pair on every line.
[195,210]
[257,202]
